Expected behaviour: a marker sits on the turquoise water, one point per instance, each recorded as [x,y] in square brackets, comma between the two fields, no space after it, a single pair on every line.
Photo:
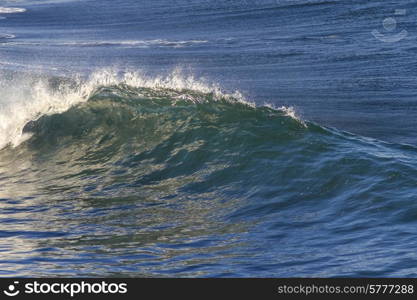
[206,139]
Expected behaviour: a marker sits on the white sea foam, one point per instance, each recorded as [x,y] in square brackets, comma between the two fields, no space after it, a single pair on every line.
[11,10]
[137,43]
[288,111]
[115,43]
[7,36]
[24,100]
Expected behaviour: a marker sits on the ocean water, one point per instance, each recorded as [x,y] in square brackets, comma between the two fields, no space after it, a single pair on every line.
[201,138]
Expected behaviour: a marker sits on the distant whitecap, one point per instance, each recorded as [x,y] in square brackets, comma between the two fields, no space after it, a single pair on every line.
[137,43]
[11,10]
[126,44]
[7,36]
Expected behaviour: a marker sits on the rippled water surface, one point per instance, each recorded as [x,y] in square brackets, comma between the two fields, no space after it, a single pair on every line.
[204,138]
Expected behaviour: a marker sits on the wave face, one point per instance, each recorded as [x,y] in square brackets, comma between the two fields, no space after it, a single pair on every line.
[112,165]
[171,177]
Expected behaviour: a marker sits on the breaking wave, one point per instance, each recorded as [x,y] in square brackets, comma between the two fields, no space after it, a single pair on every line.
[27,99]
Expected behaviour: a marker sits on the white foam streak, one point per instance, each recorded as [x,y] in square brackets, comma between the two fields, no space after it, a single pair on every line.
[139,43]
[11,10]
[115,43]
[7,36]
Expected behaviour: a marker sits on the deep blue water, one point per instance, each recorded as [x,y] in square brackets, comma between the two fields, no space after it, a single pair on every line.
[208,138]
